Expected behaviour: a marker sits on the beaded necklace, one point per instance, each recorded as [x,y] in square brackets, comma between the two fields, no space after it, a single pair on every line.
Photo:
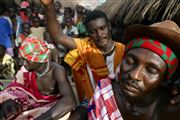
[44,72]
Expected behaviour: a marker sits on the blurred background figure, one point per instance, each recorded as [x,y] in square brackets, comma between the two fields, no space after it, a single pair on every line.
[6,64]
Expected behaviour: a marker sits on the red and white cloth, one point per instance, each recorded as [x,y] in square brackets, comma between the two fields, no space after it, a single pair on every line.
[103,106]
[24,90]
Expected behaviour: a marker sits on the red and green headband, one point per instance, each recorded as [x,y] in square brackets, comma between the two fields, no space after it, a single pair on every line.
[162,50]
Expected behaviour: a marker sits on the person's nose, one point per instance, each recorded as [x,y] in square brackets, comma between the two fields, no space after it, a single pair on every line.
[99,33]
[136,73]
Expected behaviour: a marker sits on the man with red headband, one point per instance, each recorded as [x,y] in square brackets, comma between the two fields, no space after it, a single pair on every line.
[41,90]
[149,66]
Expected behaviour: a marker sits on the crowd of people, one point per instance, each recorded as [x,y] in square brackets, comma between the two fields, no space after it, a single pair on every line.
[134,80]
[24,20]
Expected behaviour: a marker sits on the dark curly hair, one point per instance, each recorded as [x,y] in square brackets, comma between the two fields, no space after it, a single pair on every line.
[92,15]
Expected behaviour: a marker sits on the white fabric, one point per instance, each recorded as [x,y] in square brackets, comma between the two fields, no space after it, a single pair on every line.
[110,63]
[72,30]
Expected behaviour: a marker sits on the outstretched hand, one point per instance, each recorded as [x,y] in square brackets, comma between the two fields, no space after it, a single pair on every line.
[175,92]
[46,2]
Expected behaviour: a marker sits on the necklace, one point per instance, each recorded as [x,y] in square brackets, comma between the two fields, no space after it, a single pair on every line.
[44,72]
[112,49]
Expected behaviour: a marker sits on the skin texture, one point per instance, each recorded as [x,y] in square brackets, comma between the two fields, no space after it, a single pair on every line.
[140,90]
[102,31]
[144,70]
[99,31]
[54,81]
[68,42]
[142,73]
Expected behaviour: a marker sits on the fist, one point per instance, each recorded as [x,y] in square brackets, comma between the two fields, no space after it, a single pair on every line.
[46,2]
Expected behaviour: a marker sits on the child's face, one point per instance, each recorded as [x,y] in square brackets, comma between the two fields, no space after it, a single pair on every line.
[36,22]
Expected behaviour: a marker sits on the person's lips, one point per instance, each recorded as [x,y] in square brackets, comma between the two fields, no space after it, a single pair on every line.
[130,86]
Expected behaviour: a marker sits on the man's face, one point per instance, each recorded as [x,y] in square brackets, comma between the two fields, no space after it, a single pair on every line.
[69,22]
[31,66]
[99,31]
[142,71]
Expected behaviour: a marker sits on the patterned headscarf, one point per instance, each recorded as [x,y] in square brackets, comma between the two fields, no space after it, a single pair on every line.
[162,50]
[35,50]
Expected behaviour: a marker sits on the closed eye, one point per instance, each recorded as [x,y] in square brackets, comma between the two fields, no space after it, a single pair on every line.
[103,27]
[130,59]
[153,69]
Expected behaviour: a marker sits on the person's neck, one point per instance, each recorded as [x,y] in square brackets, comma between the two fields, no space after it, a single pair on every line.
[145,100]
[43,69]
[107,49]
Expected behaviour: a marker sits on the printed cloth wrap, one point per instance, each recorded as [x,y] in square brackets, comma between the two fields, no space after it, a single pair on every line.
[35,50]
[102,105]
[159,48]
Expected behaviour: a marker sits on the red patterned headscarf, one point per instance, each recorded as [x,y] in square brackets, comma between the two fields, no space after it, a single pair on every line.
[35,50]
[162,50]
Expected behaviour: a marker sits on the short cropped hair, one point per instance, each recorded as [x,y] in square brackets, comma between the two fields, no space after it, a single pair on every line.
[92,15]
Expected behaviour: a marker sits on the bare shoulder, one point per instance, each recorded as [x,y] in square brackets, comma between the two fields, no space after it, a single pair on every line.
[59,72]
[56,66]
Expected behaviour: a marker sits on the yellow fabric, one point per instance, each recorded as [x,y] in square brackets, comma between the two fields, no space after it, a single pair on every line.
[88,53]
[9,71]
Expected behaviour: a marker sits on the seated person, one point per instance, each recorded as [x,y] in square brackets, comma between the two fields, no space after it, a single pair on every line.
[6,64]
[70,29]
[42,92]
[140,92]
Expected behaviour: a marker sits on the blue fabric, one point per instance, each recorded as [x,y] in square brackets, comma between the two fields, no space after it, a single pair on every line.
[5,32]
[19,25]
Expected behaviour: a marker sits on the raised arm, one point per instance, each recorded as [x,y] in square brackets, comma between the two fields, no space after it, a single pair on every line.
[54,27]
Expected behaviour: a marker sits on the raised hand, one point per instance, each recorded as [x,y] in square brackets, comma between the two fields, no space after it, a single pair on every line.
[46,2]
